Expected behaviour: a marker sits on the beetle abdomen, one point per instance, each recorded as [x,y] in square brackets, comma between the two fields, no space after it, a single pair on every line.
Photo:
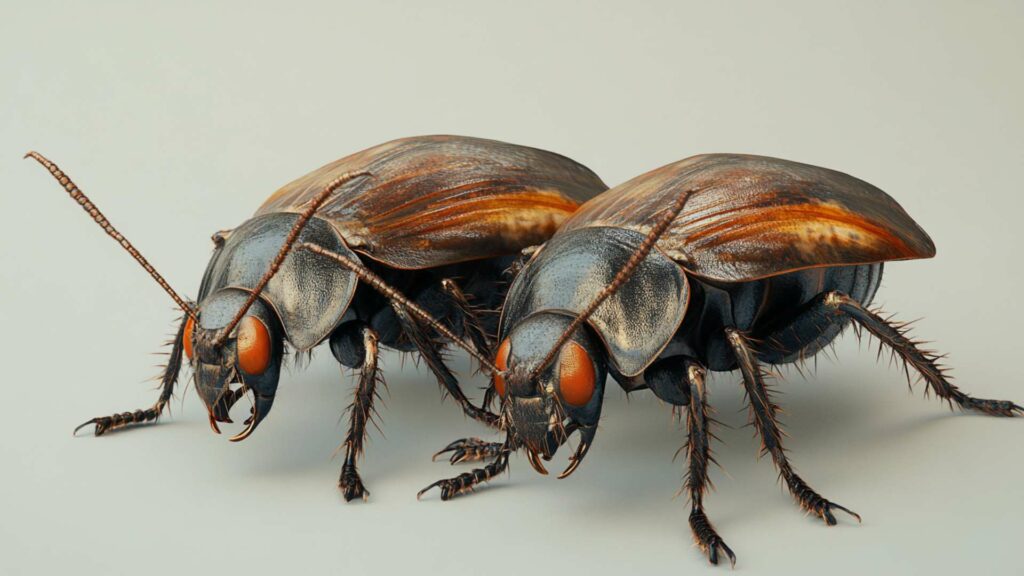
[766,310]
[803,340]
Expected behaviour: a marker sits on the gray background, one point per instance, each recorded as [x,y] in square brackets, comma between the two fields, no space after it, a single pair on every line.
[180,118]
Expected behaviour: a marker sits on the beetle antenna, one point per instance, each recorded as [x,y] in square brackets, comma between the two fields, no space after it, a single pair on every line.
[289,240]
[377,283]
[620,278]
[98,217]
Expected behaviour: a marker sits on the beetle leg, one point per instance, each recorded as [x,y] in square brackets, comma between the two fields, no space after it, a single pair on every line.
[361,410]
[429,349]
[104,424]
[471,325]
[763,417]
[467,481]
[522,258]
[698,453]
[473,328]
[926,363]
[470,450]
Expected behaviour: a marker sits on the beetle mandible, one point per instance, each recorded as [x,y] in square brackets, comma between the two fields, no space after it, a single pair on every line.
[716,262]
[439,218]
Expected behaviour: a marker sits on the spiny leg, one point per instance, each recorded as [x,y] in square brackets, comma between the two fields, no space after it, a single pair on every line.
[104,424]
[521,260]
[360,413]
[698,452]
[478,336]
[926,363]
[763,414]
[489,396]
[470,450]
[471,325]
[429,349]
[467,481]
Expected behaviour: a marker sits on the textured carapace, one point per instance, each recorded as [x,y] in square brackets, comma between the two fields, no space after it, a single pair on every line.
[438,200]
[634,323]
[430,201]
[309,295]
[312,205]
[751,217]
[634,260]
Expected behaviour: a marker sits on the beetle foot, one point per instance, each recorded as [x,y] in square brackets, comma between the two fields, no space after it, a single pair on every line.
[992,407]
[925,362]
[467,481]
[815,504]
[823,509]
[351,484]
[707,538]
[449,487]
[470,450]
[104,424]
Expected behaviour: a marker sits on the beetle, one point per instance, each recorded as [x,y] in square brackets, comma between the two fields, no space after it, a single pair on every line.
[717,262]
[438,218]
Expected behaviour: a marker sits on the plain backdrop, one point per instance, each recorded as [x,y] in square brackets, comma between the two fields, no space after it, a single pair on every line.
[180,118]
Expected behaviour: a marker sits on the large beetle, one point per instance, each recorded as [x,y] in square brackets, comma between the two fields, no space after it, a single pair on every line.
[437,218]
[716,262]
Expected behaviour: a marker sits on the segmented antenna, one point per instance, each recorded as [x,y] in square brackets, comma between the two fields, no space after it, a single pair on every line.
[78,196]
[293,235]
[378,284]
[620,278]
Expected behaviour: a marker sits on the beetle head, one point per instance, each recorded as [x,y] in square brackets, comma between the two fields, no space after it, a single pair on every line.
[551,369]
[249,361]
[235,337]
[542,408]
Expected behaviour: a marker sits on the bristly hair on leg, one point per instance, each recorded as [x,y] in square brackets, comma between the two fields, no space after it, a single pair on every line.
[766,423]
[170,371]
[525,255]
[908,351]
[696,480]
[103,424]
[470,313]
[362,411]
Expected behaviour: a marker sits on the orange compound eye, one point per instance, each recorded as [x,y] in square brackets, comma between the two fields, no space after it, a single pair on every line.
[190,327]
[253,345]
[575,375]
[501,362]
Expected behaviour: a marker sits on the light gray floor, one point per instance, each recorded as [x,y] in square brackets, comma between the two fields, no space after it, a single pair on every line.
[179,119]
